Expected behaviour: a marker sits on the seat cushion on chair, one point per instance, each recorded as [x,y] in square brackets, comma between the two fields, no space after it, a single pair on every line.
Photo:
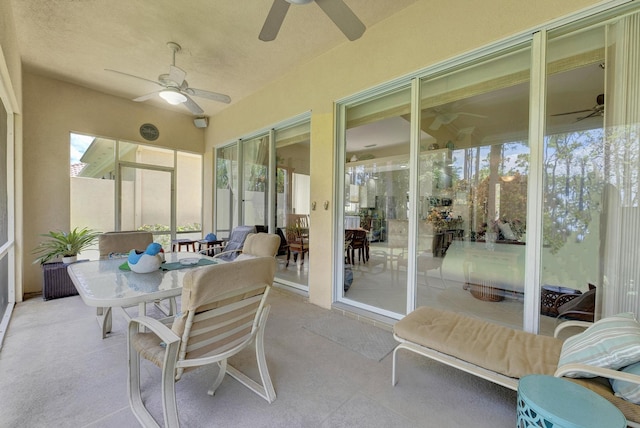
[501,349]
[150,347]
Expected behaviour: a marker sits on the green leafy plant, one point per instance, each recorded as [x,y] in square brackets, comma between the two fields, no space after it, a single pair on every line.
[64,244]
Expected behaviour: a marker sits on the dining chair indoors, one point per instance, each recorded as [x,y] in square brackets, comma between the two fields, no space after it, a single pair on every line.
[298,244]
[223,312]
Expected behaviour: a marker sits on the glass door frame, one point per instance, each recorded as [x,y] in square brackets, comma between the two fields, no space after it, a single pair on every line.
[118,192]
[238,215]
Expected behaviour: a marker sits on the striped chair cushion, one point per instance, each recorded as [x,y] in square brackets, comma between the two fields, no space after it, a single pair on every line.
[612,343]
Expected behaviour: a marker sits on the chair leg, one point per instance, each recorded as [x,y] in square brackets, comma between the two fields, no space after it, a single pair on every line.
[169,406]
[222,370]
[135,398]
[265,390]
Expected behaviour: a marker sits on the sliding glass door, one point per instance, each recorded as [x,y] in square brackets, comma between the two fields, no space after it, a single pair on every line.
[292,189]
[472,186]
[255,188]
[263,180]
[373,237]
[505,186]
[591,161]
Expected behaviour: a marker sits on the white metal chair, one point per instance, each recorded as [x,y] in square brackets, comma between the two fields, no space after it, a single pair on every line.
[223,312]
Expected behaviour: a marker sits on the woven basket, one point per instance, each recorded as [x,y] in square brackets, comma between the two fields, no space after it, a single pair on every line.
[486,293]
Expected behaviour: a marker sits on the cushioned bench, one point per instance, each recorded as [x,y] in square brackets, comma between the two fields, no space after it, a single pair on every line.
[496,353]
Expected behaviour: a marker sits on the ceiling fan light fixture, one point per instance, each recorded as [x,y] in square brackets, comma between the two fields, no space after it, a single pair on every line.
[172,96]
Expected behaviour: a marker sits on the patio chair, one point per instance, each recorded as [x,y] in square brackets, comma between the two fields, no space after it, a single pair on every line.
[223,312]
[235,243]
[118,244]
[256,245]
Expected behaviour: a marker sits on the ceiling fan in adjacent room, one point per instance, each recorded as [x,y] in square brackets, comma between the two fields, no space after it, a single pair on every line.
[445,118]
[597,110]
[175,89]
[336,10]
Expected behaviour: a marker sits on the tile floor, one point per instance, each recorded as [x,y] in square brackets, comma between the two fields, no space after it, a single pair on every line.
[56,371]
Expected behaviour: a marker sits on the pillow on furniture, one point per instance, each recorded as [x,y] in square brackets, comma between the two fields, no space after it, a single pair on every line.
[628,390]
[611,343]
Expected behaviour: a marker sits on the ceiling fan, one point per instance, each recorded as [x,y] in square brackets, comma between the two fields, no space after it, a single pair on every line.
[597,110]
[175,89]
[445,118]
[336,10]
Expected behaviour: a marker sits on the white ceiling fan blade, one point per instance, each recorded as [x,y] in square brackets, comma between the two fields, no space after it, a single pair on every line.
[437,122]
[481,116]
[135,77]
[274,20]
[571,112]
[192,106]
[209,95]
[177,75]
[343,17]
[146,97]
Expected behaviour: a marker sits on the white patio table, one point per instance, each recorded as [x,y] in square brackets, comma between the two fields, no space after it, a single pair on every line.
[103,285]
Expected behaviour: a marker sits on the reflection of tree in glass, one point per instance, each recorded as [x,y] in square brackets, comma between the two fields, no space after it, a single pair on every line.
[222,174]
[572,190]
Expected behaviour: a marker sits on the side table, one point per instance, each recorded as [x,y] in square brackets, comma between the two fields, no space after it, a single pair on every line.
[552,402]
[177,244]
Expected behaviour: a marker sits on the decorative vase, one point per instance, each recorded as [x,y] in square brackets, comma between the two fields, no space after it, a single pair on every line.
[69,259]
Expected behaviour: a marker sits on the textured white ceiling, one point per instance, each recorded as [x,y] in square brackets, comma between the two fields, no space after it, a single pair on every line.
[76,40]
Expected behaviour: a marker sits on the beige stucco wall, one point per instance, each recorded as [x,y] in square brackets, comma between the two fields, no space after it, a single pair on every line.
[11,90]
[52,109]
[424,34]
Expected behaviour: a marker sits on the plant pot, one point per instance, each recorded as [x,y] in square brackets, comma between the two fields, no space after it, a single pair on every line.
[69,259]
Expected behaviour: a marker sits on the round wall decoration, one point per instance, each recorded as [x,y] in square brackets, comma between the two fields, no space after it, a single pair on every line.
[149,132]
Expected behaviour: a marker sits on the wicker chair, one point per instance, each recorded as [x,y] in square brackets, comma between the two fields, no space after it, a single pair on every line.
[223,312]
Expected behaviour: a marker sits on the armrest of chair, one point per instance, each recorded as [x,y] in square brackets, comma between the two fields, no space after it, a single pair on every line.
[597,371]
[156,326]
[562,326]
[226,253]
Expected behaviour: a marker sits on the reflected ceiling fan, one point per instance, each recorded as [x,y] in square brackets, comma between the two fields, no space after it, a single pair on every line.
[445,118]
[175,89]
[597,110]
[336,10]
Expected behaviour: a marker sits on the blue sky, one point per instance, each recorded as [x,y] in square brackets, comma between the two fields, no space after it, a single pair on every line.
[79,144]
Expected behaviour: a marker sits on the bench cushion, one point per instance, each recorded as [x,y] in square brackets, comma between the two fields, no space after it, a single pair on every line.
[513,353]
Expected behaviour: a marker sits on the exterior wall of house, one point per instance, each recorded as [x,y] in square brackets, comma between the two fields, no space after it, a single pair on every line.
[421,35]
[52,109]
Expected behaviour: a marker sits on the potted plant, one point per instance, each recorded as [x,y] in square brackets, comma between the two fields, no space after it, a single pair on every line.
[65,244]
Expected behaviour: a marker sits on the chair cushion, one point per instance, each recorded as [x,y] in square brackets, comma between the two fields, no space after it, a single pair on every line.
[628,390]
[612,343]
[513,353]
[261,245]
